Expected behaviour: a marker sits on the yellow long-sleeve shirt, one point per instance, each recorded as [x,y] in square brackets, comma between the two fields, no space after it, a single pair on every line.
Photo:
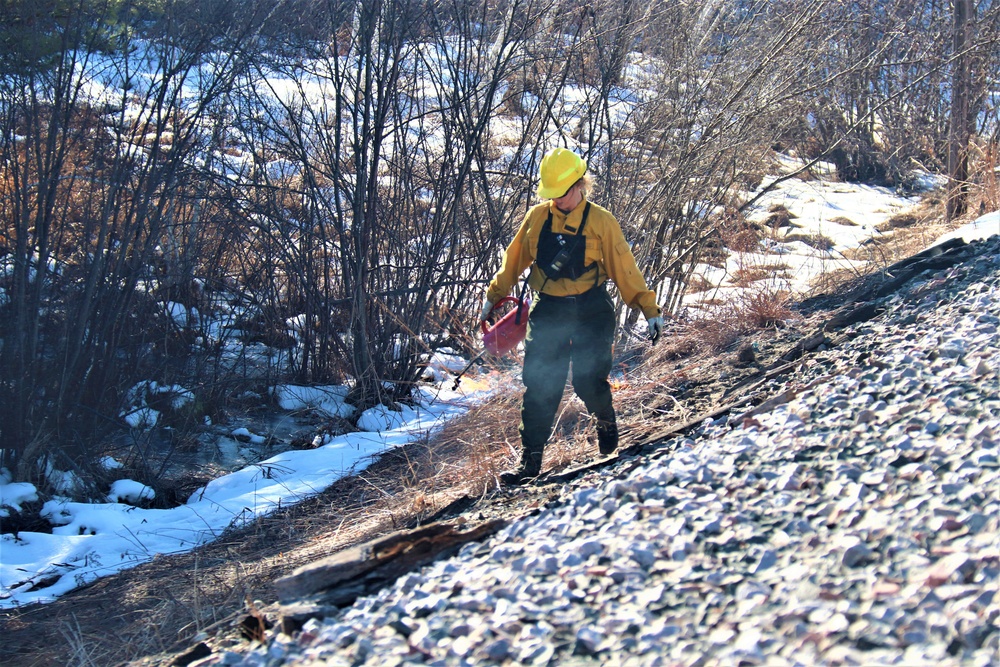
[606,246]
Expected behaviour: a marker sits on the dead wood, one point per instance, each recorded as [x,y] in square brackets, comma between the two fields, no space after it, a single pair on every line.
[339,579]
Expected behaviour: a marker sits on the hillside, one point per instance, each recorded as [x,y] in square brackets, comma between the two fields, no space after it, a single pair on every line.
[848,518]
[170,604]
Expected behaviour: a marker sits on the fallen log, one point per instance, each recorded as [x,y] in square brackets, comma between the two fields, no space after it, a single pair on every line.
[342,577]
[894,276]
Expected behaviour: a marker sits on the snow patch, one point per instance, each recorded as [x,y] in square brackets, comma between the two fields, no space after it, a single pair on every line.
[130,491]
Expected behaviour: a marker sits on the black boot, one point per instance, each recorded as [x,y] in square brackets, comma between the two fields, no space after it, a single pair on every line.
[607,436]
[529,468]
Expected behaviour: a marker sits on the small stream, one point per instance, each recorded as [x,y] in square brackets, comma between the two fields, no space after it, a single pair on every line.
[182,464]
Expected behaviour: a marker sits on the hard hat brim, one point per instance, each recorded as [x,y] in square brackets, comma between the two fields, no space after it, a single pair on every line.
[552,193]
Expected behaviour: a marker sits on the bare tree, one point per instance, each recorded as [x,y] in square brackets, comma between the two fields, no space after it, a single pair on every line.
[390,128]
[719,80]
[962,119]
[91,187]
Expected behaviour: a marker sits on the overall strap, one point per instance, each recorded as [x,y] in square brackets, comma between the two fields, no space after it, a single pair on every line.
[583,221]
[578,237]
[520,300]
[583,224]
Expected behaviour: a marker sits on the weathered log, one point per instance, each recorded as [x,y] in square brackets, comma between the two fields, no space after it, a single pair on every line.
[854,314]
[897,274]
[348,573]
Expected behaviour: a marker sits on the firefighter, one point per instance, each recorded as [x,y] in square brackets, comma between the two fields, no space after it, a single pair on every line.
[573,247]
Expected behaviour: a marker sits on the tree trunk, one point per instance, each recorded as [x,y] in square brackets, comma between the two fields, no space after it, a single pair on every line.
[960,128]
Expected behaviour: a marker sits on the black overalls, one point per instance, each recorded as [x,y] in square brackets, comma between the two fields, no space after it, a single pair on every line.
[577,330]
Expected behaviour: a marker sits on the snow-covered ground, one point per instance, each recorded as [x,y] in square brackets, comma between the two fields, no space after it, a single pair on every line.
[92,540]
[845,215]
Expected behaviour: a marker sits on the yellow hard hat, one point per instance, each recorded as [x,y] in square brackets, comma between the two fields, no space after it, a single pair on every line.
[560,169]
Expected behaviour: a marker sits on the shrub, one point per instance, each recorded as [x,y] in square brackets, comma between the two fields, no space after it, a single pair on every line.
[764,308]
[744,240]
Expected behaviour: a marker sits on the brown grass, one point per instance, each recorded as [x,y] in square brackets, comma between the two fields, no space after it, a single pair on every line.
[715,255]
[901,241]
[745,240]
[817,241]
[898,221]
[743,277]
[779,216]
[747,275]
[737,234]
[698,283]
[755,307]
[676,347]
[831,281]
[763,308]
[986,176]
[912,232]
[716,331]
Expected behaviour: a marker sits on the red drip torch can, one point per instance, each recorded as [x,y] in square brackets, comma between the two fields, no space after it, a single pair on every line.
[510,330]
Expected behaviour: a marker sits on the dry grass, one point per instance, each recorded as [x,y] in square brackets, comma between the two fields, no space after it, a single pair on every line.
[714,254]
[902,236]
[986,174]
[676,346]
[485,441]
[763,308]
[745,276]
[754,308]
[745,239]
[898,221]
[831,281]
[779,216]
[910,233]
[698,283]
[472,450]
[716,331]
[817,241]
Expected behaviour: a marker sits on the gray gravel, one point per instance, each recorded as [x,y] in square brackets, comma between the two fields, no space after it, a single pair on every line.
[856,524]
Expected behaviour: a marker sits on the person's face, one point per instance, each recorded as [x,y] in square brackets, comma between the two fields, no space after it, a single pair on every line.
[570,200]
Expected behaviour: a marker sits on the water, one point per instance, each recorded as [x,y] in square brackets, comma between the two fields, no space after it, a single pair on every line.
[176,463]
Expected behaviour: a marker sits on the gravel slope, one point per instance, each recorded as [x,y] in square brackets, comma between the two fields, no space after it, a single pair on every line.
[854,521]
